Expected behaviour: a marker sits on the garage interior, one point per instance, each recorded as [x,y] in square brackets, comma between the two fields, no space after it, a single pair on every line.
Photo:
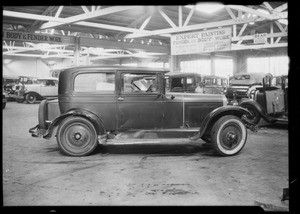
[38,41]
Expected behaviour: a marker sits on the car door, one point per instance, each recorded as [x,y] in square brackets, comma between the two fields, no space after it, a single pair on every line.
[139,102]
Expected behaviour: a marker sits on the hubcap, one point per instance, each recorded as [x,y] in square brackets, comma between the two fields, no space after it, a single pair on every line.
[230,136]
[77,136]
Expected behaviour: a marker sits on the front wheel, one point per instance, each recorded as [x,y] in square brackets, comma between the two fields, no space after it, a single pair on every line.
[228,135]
[255,118]
[77,136]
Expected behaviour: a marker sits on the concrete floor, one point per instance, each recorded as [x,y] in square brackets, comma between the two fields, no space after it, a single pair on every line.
[149,172]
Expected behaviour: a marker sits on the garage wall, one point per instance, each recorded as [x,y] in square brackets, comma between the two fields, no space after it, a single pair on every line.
[35,67]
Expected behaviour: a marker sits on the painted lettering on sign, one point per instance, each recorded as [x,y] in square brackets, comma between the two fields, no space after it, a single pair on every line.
[34,37]
[260,38]
[201,41]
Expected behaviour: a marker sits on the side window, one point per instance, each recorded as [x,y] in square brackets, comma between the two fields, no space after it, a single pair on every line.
[95,82]
[177,82]
[190,82]
[132,82]
[50,83]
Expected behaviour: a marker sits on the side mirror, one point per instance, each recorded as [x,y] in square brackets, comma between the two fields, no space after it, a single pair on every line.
[172,97]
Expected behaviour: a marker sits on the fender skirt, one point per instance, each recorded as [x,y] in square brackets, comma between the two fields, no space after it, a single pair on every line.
[217,113]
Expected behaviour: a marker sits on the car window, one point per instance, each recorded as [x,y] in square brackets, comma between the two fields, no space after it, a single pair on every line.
[177,82]
[208,81]
[94,82]
[132,82]
[190,82]
[242,77]
[224,82]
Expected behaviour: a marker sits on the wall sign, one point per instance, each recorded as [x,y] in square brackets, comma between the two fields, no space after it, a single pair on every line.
[260,38]
[201,41]
[35,37]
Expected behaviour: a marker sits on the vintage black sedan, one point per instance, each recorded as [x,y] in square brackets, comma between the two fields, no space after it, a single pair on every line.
[95,102]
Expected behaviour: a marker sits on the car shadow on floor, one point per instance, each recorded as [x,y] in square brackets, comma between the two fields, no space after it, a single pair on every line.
[154,149]
[276,125]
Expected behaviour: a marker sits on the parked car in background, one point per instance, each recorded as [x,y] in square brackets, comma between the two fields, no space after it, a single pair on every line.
[8,83]
[4,100]
[215,84]
[242,84]
[37,89]
[95,102]
[270,101]
[191,82]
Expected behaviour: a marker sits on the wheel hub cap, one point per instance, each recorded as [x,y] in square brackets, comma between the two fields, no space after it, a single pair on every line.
[77,136]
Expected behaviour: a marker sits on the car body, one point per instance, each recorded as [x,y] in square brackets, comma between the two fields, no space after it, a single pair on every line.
[8,83]
[189,82]
[270,101]
[241,83]
[4,100]
[95,102]
[39,88]
[215,84]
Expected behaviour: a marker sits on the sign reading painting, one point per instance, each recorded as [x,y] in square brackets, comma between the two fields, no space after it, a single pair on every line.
[260,38]
[34,37]
[201,41]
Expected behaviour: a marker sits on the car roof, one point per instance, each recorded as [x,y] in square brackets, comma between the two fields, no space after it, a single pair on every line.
[214,76]
[181,74]
[117,67]
[47,78]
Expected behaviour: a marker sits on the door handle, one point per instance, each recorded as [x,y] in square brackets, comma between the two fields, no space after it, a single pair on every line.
[120,99]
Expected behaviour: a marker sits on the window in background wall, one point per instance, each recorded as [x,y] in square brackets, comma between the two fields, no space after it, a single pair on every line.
[224,67]
[156,65]
[166,64]
[196,66]
[276,65]
[130,64]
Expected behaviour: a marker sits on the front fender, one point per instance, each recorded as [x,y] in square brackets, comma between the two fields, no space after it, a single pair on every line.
[217,113]
[97,121]
[258,107]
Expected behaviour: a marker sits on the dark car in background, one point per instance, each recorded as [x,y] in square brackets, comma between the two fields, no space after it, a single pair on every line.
[242,84]
[190,83]
[95,102]
[215,84]
[270,101]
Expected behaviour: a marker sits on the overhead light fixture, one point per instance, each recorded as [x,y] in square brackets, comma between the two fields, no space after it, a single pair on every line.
[207,7]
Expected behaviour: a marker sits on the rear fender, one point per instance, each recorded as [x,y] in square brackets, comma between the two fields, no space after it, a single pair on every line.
[97,121]
[217,113]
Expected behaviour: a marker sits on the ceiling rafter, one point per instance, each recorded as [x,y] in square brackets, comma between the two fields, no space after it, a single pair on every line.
[88,15]
[167,18]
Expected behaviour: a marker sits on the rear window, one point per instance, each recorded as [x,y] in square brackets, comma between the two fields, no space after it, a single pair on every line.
[95,82]
[177,82]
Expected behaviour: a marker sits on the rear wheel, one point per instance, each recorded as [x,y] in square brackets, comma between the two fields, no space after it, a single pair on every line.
[30,98]
[77,136]
[228,135]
